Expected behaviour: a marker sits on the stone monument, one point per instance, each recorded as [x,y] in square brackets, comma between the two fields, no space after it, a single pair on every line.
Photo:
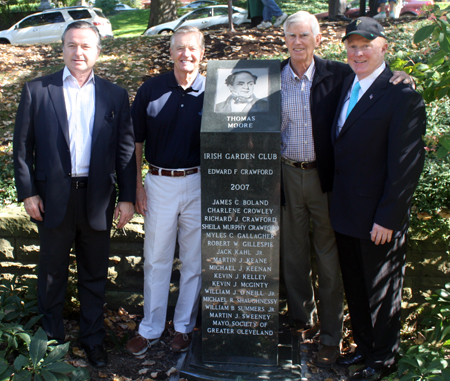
[240,168]
[240,165]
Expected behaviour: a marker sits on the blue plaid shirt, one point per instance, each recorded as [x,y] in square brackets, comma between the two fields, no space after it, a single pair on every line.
[296,124]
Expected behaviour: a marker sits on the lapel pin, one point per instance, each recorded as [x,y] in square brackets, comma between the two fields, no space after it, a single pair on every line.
[370,96]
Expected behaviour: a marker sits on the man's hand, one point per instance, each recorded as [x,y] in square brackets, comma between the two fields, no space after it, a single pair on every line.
[380,234]
[126,211]
[34,206]
[141,200]
[400,76]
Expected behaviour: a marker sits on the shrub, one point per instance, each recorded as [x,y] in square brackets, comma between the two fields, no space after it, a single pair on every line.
[106,5]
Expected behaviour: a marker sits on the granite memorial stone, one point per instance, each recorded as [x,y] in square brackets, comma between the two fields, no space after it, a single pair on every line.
[240,168]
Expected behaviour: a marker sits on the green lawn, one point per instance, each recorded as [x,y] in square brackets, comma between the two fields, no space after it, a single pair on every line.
[129,23]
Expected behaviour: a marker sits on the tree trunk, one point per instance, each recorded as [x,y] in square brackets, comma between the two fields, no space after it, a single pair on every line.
[162,11]
[230,15]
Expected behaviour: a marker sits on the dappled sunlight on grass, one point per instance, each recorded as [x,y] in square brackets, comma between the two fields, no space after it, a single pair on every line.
[130,23]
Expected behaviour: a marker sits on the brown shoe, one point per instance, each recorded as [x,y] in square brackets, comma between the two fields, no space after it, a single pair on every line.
[181,341]
[139,344]
[327,355]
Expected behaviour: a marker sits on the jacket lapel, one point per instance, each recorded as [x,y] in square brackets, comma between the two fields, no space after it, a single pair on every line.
[55,89]
[101,103]
[370,97]
[345,89]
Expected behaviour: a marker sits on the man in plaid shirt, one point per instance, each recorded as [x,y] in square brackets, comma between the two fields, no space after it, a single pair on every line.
[310,92]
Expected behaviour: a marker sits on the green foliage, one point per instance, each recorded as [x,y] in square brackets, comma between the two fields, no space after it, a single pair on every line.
[22,7]
[430,360]
[45,361]
[432,70]
[7,186]
[23,354]
[431,199]
[107,6]
[423,362]
[437,320]
[17,315]
[18,299]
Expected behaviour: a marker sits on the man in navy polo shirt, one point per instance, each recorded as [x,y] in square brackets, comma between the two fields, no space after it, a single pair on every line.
[167,115]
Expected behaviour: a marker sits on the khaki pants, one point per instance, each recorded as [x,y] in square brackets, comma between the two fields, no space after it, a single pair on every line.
[306,203]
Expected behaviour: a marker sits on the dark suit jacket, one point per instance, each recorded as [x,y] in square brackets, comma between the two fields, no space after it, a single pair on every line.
[325,92]
[379,156]
[42,157]
[256,105]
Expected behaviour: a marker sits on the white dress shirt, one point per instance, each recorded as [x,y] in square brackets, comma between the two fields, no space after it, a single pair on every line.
[80,108]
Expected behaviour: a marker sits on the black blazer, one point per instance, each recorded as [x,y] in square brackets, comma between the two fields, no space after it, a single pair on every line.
[379,156]
[42,156]
[325,92]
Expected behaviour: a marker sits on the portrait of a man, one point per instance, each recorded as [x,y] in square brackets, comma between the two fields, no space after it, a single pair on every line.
[242,85]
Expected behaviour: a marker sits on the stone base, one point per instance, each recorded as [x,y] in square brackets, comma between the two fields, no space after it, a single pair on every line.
[194,369]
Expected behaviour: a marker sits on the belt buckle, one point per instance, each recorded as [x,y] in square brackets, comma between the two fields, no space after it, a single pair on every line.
[302,164]
[76,184]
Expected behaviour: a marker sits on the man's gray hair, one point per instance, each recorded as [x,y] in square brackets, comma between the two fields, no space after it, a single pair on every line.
[83,25]
[185,30]
[302,17]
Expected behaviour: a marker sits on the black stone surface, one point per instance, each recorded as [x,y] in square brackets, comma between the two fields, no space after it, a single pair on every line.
[288,369]
[240,227]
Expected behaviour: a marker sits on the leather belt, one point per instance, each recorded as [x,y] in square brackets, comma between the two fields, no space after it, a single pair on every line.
[156,171]
[300,164]
[79,182]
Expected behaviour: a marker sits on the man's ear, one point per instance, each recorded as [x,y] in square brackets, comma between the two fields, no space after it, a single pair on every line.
[318,38]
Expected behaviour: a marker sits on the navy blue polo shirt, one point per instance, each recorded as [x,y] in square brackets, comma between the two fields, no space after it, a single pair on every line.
[168,118]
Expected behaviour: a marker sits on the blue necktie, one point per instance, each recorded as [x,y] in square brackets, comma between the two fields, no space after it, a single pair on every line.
[353,98]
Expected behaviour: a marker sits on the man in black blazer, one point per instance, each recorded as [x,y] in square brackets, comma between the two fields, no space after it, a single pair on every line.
[310,91]
[379,155]
[73,142]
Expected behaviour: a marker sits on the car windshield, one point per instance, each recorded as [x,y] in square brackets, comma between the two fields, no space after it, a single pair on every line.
[31,21]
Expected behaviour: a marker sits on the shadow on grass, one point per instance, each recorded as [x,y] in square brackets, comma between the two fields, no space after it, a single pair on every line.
[130,23]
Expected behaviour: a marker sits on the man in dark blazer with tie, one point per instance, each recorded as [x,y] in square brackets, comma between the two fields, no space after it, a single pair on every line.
[73,143]
[379,155]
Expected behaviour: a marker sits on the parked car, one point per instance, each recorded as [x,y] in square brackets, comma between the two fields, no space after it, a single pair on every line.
[124,7]
[410,8]
[48,26]
[201,18]
[198,3]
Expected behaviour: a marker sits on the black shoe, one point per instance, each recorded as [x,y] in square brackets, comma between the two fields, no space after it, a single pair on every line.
[96,355]
[339,18]
[351,359]
[370,374]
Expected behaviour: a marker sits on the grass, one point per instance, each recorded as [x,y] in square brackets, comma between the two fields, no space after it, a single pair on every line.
[130,23]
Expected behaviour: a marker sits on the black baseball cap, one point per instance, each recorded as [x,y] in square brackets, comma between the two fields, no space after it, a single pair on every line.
[366,27]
